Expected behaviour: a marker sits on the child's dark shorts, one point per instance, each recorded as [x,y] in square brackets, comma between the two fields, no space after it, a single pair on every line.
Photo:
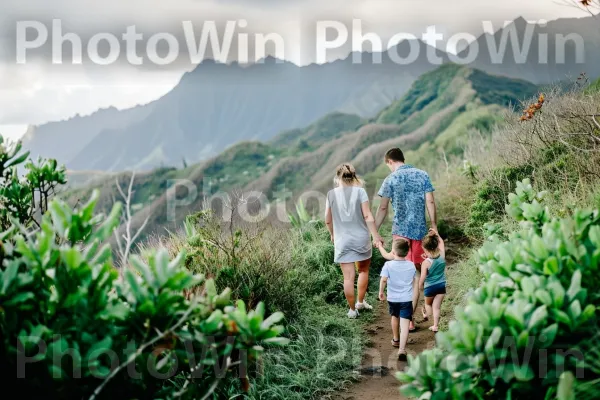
[401,310]
[434,290]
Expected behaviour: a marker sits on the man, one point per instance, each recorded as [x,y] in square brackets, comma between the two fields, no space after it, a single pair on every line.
[410,192]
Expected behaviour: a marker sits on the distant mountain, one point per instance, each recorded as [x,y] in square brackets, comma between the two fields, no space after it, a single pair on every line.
[545,62]
[217,105]
[66,140]
[435,116]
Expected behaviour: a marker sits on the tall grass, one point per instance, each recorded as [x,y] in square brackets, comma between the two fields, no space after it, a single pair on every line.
[292,271]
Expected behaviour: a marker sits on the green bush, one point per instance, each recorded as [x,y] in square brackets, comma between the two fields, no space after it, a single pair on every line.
[85,331]
[254,260]
[24,197]
[491,196]
[520,330]
[72,326]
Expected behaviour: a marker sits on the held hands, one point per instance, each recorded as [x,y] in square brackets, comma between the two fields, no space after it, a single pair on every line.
[377,241]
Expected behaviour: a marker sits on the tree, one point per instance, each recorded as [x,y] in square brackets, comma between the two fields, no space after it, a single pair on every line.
[25,195]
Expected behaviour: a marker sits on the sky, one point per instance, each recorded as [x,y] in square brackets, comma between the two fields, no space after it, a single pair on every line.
[38,90]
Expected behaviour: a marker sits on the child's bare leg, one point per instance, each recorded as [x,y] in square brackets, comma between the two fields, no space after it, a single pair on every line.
[395,327]
[429,305]
[437,310]
[415,299]
[349,275]
[404,324]
[363,279]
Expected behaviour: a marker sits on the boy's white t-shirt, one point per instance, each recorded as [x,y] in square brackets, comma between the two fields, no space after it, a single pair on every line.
[401,275]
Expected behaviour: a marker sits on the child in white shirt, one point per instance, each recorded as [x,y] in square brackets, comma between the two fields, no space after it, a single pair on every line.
[400,277]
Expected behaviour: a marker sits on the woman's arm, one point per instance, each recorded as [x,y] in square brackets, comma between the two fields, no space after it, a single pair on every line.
[329,220]
[382,284]
[368,215]
[384,253]
[424,268]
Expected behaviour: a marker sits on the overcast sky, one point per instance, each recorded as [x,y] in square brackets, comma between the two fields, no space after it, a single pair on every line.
[38,91]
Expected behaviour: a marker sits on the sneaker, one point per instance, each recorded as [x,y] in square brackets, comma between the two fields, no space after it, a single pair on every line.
[352,314]
[364,306]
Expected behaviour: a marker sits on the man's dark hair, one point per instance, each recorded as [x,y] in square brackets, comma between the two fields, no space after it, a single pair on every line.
[394,155]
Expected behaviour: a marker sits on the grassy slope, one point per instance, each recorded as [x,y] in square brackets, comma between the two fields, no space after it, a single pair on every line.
[594,87]
[437,113]
[426,90]
[328,128]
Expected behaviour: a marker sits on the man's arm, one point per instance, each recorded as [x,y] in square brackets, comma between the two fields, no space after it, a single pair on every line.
[431,210]
[382,212]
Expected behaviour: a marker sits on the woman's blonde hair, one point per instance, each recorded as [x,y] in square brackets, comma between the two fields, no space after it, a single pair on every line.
[346,174]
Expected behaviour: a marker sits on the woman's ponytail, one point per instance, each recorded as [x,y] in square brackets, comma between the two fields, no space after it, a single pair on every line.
[347,174]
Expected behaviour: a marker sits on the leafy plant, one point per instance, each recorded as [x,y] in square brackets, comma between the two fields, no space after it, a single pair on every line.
[71,328]
[519,331]
[470,170]
[526,206]
[25,197]
[301,218]
[489,204]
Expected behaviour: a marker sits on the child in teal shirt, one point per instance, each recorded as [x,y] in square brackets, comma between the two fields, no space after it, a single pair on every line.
[433,276]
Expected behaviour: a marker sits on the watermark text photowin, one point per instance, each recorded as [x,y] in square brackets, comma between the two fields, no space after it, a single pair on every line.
[230,41]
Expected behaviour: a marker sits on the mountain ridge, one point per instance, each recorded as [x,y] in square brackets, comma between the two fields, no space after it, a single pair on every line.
[283,165]
[217,105]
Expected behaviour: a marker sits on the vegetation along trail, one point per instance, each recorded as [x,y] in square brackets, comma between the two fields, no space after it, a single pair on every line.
[380,360]
[379,364]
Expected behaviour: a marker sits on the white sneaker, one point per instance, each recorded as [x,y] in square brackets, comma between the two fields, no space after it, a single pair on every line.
[363,306]
[352,314]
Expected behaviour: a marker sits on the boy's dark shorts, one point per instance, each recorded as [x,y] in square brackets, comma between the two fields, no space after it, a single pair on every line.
[401,310]
[434,290]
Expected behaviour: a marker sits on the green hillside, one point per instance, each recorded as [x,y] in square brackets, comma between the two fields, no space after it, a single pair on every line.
[325,129]
[428,90]
[438,113]
[431,92]
[234,168]
[594,87]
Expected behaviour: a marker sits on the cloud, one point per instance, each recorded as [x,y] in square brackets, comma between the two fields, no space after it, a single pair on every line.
[40,92]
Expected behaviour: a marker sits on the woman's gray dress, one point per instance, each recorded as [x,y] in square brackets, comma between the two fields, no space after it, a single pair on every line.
[352,239]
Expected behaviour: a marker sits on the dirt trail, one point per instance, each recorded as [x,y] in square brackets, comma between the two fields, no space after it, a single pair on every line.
[380,360]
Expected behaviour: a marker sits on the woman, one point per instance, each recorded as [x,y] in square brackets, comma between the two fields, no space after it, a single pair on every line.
[349,219]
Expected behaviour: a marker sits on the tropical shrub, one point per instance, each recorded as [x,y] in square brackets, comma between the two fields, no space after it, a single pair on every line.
[73,326]
[25,197]
[253,259]
[519,332]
